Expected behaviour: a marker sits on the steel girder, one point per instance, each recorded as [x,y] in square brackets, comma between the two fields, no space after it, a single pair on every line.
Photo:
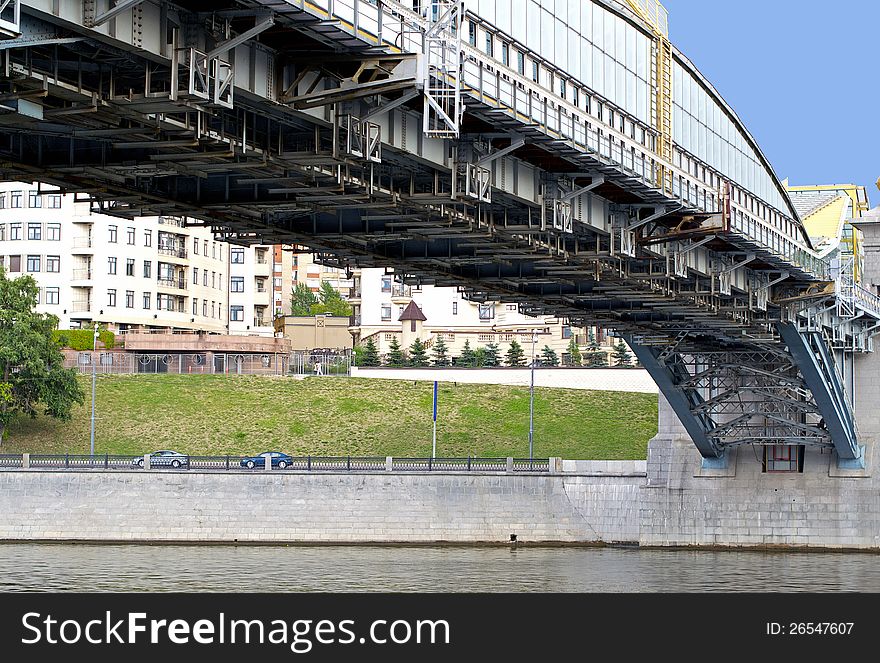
[730,397]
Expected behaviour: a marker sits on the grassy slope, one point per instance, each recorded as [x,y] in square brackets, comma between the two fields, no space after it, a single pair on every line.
[206,415]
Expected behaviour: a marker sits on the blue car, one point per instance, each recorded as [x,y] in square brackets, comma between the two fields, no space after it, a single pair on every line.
[278,460]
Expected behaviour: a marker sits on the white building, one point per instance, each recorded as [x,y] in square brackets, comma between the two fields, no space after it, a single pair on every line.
[150,273]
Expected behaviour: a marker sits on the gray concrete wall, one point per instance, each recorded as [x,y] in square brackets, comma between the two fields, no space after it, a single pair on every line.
[329,508]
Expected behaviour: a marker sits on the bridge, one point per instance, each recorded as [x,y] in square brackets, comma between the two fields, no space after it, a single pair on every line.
[572,161]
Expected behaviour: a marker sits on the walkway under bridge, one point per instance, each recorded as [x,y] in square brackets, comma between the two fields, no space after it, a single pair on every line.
[420,137]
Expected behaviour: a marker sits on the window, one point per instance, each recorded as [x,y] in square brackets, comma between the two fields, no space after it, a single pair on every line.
[205,308]
[236,313]
[536,71]
[2,201]
[490,45]
[53,296]
[148,269]
[34,199]
[2,232]
[213,249]
[454,308]
[487,311]
[386,311]
[521,63]
[213,279]
[111,265]
[472,33]
[130,236]
[111,297]
[53,264]
[129,267]
[783,458]
[14,231]
[35,231]
[54,200]
[33,263]
[196,275]
[195,306]
[14,263]
[237,284]
[563,89]
[511,307]
[237,256]
[213,303]
[147,298]
[53,232]
[505,53]
[112,230]
[129,299]
[386,284]
[196,245]
[15,199]
[148,238]
[205,277]
[566,331]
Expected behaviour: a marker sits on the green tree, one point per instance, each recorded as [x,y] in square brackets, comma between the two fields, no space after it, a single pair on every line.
[515,355]
[468,356]
[370,355]
[549,357]
[621,354]
[396,357]
[330,301]
[441,352]
[32,372]
[595,357]
[302,300]
[574,353]
[480,358]
[418,353]
[491,356]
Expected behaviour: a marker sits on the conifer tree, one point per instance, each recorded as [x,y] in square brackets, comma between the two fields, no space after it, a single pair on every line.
[515,355]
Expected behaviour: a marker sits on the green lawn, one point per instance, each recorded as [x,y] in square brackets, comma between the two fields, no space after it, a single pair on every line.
[208,415]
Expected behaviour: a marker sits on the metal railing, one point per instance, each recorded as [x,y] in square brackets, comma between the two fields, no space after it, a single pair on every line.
[179,283]
[175,251]
[286,463]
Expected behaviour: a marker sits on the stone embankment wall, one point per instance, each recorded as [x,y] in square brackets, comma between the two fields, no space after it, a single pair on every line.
[97,505]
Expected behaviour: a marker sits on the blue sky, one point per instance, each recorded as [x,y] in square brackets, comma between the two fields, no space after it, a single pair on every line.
[801,76]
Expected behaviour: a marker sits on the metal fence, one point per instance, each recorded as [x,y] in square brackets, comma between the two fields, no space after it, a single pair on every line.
[214,363]
[287,463]
[199,363]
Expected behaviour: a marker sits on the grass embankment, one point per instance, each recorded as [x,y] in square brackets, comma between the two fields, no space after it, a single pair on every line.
[218,415]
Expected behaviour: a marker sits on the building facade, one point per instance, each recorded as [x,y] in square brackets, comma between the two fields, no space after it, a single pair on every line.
[147,274]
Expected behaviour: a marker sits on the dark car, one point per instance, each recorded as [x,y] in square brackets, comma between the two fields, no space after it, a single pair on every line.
[164,458]
[279,460]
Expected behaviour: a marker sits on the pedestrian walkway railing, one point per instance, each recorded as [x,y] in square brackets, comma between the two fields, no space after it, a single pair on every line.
[279,463]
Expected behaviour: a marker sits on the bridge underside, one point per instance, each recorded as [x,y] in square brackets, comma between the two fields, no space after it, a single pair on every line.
[119,128]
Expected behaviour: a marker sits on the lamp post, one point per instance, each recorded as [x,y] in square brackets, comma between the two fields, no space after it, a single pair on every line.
[94,362]
[532,397]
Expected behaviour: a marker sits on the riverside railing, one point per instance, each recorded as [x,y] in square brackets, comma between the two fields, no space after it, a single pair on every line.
[281,463]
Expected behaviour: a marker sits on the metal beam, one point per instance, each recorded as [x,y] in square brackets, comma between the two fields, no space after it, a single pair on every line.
[120,7]
[489,158]
[229,44]
[384,108]
[670,387]
[816,365]
[571,195]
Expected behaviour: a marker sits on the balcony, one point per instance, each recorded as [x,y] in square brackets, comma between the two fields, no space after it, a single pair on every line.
[82,243]
[354,321]
[176,283]
[401,294]
[81,306]
[82,274]
[260,322]
[177,221]
[173,251]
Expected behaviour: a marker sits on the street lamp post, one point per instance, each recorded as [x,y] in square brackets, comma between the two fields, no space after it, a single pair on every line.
[94,362]
[532,397]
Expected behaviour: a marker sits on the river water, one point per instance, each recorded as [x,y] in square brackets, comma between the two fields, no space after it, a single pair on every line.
[144,568]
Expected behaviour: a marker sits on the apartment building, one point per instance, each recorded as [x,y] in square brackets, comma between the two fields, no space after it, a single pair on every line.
[149,273]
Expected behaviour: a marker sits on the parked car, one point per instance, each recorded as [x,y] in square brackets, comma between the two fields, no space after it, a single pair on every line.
[279,460]
[164,458]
